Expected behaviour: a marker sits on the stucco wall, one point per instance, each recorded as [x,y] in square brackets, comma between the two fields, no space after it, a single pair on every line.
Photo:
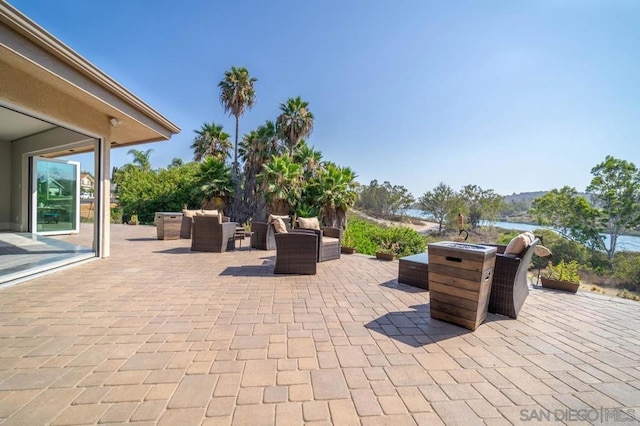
[5,184]
[21,150]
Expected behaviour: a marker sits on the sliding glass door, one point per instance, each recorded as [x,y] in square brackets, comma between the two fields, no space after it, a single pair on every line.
[55,196]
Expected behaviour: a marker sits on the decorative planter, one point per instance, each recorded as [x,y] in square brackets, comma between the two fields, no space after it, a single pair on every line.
[560,285]
[385,256]
[347,250]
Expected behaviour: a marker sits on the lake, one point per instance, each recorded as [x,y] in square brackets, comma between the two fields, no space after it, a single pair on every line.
[625,242]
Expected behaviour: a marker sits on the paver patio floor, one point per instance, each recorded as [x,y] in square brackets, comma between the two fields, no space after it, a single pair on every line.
[159,334]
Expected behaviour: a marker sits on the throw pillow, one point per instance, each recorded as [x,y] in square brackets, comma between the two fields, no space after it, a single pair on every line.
[210,212]
[273,217]
[279,226]
[517,245]
[188,213]
[309,222]
[541,251]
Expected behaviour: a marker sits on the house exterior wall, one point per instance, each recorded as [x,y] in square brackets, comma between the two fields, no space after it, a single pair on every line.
[5,185]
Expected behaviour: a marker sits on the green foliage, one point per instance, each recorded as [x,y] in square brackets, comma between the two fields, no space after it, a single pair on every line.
[369,238]
[627,269]
[348,240]
[144,192]
[443,204]
[564,271]
[210,141]
[213,179]
[384,200]
[295,122]
[570,214]
[481,204]
[116,215]
[616,189]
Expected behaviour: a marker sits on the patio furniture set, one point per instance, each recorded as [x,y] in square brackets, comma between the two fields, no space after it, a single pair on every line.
[297,250]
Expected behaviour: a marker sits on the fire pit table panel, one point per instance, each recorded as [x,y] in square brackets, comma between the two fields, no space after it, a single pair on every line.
[460,277]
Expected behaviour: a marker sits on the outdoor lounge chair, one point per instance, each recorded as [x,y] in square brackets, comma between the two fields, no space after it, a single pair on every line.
[187,224]
[211,235]
[296,253]
[510,289]
[329,241]
[263,237]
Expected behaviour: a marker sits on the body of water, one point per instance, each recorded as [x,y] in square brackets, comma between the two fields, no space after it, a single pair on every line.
[625,242]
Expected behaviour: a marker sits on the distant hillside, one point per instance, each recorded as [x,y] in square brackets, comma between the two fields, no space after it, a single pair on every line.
[526,197]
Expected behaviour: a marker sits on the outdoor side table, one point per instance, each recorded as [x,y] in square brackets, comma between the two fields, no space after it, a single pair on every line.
[168,225]
[414,270]
[241,234]
[460,278]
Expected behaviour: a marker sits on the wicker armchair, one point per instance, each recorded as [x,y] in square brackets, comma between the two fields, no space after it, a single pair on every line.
[187,226]
[296,253]
[263,237]
[329,242]
[210,235]
[510,289]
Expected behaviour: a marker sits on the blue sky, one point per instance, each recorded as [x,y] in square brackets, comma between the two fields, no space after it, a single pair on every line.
[510,95]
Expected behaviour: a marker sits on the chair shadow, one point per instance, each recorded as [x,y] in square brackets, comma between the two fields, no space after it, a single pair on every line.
[394,284]
[264,270]
[175,250]
[415,328]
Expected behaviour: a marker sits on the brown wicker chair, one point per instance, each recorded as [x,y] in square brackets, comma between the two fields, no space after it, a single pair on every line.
[263,237]
[211,235]
[510,289]
[329,242]
[296,253]
[187,226]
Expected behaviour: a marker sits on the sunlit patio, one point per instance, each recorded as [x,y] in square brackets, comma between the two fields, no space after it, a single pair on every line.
[159,334]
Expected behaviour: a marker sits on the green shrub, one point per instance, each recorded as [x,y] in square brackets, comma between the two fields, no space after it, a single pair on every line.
[368,238]
[564,271]
[626,267]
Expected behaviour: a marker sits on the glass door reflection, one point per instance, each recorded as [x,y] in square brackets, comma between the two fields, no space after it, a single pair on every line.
[55,196]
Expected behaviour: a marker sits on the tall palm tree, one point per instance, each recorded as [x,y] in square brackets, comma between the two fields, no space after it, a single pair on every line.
[295,121]
[141,158]
[210,140]
[237,94]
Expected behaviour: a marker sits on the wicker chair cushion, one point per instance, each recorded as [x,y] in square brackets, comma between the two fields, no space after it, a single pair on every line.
[279,226]
[273,217]
[189,213]
[309,222]
[327,240]
[208,213]
[519,244]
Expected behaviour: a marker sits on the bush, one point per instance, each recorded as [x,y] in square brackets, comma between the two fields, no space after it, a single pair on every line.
[368,237]
[626,266]
[565,271]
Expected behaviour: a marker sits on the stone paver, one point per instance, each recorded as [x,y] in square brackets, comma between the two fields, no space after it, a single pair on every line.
[157,334]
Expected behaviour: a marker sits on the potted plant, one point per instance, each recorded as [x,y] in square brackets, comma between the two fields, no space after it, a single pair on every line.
[348,243]
[563,276]
[387,250]
[133,220]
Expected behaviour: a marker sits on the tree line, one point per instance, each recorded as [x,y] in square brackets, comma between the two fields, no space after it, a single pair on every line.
[273,169]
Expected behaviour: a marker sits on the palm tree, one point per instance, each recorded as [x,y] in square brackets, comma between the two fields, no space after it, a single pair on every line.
[210,140]
[141,158]
[236,95]
[282,179]
[176,162]
[335,192]
[295,121]
[309,158]
[214,180]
